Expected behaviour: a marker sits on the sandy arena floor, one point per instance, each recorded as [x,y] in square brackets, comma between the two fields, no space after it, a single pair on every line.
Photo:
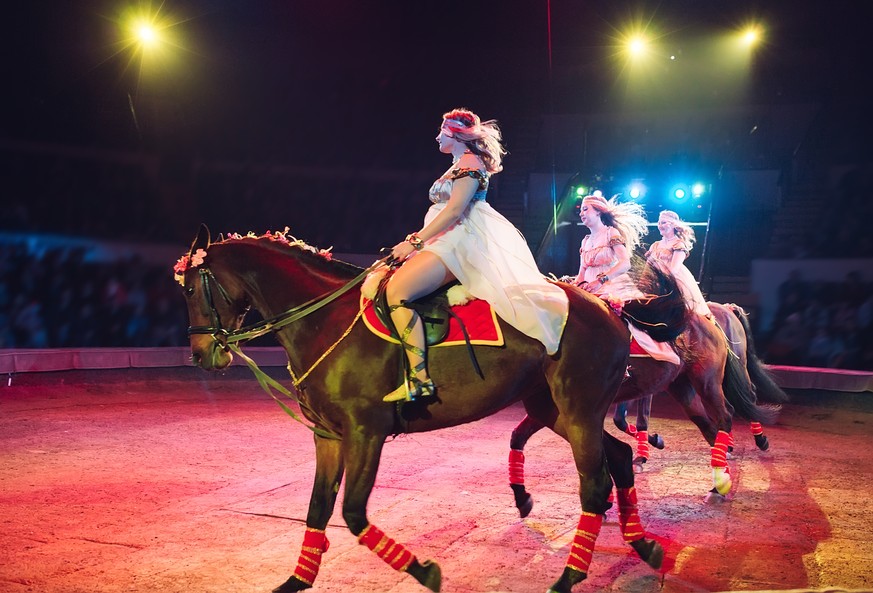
[180,481]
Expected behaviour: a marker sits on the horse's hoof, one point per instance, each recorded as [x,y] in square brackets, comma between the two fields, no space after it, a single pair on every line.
[762,442]
[721,480]
[656,441]
[620,423]
[292,584]
[523,500]
[427,573]
[639,465]
[651,552]
[713,497]
[526,507]
[569,577]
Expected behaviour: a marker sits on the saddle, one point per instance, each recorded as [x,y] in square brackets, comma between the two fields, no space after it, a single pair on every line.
[434,311]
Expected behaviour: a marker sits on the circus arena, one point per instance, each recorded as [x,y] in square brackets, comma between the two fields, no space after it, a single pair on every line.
[186,180]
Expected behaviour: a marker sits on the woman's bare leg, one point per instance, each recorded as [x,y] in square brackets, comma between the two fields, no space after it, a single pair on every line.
[418,276]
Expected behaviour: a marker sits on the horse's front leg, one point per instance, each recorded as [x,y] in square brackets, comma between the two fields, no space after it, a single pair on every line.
[618,458]
[328,474]
[361,454]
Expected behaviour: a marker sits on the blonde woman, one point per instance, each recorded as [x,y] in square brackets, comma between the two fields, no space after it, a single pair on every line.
[464,238]
[604,259]
[671,251]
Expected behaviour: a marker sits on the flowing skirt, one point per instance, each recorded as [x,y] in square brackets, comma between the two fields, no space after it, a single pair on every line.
[491,259]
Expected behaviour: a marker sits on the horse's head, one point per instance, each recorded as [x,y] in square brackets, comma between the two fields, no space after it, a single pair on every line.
[215,308]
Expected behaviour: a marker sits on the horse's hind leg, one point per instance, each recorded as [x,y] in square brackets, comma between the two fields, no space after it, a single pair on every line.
[757,431]
[644,439]
[520,436]
[328,474]
[618,457]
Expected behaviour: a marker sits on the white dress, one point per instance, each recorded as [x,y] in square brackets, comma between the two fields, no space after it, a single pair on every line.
[662,252]
[491,259]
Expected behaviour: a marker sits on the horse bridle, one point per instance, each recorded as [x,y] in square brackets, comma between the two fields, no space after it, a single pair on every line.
[266,326]
[207,278]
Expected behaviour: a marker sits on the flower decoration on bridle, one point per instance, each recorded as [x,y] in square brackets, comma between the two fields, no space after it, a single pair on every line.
[185,263]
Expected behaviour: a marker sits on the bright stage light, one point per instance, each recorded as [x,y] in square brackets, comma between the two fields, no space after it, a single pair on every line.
[697,190]
[679,192]
[637,47]
[146,34]
[581,191]
[636,191]
[751,36]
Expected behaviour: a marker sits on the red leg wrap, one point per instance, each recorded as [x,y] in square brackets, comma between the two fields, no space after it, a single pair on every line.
[314,545]
[719,450]
[643,444]
[516,466]
[756,428]
[583,543]
[394,554]
[628,515]
[631,429]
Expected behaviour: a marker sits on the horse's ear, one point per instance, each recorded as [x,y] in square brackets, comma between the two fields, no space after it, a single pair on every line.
[202,240]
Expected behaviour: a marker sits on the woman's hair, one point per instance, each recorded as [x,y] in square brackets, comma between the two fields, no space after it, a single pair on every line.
[628,218]
[483,138]
[682,229]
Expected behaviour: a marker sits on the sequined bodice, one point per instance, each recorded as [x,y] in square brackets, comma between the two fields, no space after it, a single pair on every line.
[441,190]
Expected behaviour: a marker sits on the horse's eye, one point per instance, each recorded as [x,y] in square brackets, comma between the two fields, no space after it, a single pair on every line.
[189,290]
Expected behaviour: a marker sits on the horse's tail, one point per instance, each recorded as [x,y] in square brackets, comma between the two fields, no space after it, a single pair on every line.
[741,395]
[767,390]
[662,312]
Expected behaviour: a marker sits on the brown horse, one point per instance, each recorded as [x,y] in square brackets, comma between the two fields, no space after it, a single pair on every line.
[340,378]
[710,383]
[733,320]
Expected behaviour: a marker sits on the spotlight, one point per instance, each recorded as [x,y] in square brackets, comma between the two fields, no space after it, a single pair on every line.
[679,192]
[636,191]
[581,190]
[697,190]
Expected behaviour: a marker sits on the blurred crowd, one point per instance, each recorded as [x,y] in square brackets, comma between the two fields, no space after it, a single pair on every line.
[58,300]
[822,324]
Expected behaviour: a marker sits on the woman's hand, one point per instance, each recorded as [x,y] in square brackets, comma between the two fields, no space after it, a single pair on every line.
[401,251]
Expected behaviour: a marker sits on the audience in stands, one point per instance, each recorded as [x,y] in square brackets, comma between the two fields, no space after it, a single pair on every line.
[57,300]
[822,324]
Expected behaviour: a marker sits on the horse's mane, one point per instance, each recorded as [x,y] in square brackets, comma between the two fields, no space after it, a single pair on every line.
[284,243]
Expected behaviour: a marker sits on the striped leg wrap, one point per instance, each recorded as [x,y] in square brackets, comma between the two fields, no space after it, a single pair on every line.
[719,450]
[394,554]
[756,428]
[631,429]
[628,515]
[516,467]
[643,444]
[314,545]
[583,543]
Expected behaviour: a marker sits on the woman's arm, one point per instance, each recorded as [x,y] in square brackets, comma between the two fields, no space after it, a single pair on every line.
[621,266]
[463,190]
[677,260]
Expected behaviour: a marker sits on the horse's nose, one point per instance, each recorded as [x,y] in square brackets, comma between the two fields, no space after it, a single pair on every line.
[196,359]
